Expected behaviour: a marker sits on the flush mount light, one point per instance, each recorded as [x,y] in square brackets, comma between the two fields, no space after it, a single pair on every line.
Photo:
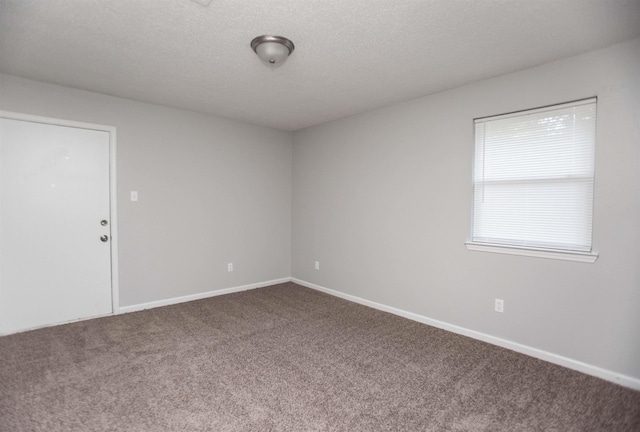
[272,49]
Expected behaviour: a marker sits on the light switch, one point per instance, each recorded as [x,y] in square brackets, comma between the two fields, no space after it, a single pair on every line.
[134,195]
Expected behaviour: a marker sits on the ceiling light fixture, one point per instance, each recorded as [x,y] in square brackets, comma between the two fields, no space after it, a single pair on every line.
[272,49]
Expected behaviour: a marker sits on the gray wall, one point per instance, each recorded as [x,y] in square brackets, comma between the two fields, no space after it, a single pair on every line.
[383,201]
[212,191]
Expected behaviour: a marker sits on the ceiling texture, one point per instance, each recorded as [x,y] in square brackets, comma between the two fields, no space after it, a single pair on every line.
[350,55]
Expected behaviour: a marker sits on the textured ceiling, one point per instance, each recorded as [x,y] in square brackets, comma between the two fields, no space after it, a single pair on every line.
[350,56]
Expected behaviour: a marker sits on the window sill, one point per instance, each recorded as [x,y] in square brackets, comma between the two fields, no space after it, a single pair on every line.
[538,253]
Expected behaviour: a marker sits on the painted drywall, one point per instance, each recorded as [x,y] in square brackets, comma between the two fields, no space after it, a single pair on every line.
[211,191]
[383,201]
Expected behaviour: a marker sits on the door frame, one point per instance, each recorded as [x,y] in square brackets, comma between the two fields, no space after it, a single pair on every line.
[113,197]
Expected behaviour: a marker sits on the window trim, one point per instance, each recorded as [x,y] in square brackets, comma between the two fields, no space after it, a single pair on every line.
[566,255]
[586,257]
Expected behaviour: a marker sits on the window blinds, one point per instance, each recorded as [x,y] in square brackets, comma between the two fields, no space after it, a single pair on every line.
[533,178]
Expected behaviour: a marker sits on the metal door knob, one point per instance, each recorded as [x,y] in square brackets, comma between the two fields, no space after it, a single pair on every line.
[104,238]
[103,222]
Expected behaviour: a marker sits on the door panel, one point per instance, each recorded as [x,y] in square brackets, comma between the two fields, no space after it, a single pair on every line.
[54,192]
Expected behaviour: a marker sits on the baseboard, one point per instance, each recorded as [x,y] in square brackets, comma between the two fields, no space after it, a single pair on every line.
[579,366]
[198,296]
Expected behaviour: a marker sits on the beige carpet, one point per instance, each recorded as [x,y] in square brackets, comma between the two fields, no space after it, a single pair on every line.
[287,358]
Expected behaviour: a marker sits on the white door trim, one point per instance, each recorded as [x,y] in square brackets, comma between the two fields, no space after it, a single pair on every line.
[113,198]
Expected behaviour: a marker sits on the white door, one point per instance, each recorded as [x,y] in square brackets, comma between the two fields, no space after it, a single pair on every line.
[55,239]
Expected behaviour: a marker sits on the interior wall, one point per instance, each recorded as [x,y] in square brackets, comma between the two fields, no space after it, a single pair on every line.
[383,201]
[211,191]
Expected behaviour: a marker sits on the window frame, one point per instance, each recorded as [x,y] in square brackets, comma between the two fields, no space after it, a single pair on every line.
[531,251]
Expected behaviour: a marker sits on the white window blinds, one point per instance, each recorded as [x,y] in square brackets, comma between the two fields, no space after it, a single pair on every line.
[533,178]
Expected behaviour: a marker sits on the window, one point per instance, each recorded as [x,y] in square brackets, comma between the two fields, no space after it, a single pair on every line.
[533,182]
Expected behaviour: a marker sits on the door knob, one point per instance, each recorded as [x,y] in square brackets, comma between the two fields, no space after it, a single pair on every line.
[104,238]
[103,222]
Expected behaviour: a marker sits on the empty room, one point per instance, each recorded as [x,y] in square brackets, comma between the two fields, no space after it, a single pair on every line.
[384,215]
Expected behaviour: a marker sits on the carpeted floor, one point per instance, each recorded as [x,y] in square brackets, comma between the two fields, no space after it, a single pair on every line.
[287,358]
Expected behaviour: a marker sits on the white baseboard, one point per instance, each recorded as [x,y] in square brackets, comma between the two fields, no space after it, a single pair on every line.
[579,366]
[198,296]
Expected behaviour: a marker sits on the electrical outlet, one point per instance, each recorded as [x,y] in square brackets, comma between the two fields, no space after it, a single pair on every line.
[317,265]
[499,305]
[230,267]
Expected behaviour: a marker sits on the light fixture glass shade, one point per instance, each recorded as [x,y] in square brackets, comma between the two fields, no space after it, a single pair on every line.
[273,50]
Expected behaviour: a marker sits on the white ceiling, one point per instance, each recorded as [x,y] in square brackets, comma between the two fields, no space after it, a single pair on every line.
[350,56]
